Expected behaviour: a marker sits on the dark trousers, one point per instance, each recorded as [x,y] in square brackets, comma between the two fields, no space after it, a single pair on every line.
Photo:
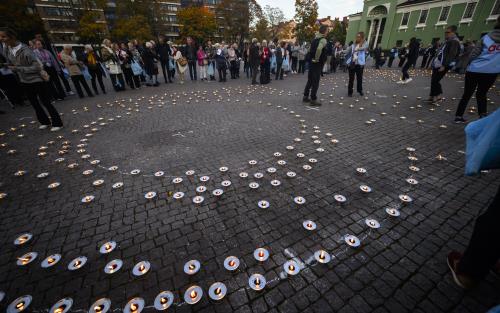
[295,61]
[233,68]
[39,92]
[424,61]
[436,77]
[117,81]
[10,85]
[222,73]
[255,70]
[401,61]
[79,81]
[302,66]
[265,72]
[56,88]
[357,71]
[313,77]
[279,70]
[480,81]
[391,59]
[166,71]
[247,69]
[482,253]
[65,81]
[405,69]
[132,81]
[96,75]
[192,69]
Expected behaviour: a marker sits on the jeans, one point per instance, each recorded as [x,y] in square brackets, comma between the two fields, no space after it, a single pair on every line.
[357,71]
[482,253]
[39,92]
[481,81]
[313,78]
[117,81]
[436,77]
[192,69]
[79,81]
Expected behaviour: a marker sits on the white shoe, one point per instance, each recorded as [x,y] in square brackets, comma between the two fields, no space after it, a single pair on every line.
[408,80]
[401,82]
[43,127]
[70,93]
[54,129]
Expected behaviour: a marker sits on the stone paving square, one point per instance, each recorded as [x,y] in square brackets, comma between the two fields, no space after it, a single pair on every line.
[218,130]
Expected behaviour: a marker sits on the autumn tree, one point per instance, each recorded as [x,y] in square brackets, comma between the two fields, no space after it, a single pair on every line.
[306,15]
[90,29]
[135,27]
[274,18]
[196,22]
[261,29]
[234,17]
[338,32]
[16,15]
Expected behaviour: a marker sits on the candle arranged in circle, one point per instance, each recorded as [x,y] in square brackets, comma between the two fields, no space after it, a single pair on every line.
[77,263]
[372,223]
[217,291]
[22,239]
[20,304]
[51,260]
[135,305]
[352,240]
[231,263]
[26,258]
[62,306]
[309,225]
[392,211]
[322,256]
[141,268]
[291,267]
[192,267]
[257,282]
[113,266]
[193,294]
[100,306]
[107,247]
[164,300]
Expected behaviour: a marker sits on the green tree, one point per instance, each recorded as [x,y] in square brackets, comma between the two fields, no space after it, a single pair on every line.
[196,22]
[338,32]
[89,29]
[17,15]
[306,16]
[274,18]
[261,29]
[135,27]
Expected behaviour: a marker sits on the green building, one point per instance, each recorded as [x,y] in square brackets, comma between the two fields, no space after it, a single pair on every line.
[393,22]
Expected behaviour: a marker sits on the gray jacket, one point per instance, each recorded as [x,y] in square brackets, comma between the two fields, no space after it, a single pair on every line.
[28,67]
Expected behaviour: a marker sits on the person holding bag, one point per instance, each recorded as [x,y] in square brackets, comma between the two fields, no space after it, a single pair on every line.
[24,63]
[51,66]
[112,65]
[181,63]
[356,60]
[75,71]
[93,63]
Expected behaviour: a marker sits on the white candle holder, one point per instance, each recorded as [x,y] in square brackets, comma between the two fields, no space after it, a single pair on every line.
[231,263]
[22,239]
[275,182]
[192,267]
[100,306]
[257,282]
[62,306]
[291,174]
[372,223]
[405,198]
[198,199]
[309,225]
[365,188]
[51,260]
[159,173]
[291,267]
[141,268]
[263,204]
[107,247]
[392,212]
[164,300]
[352,241]
[340,198]
[77,263]
[361,170]
[20,304]
[193,295]
[261,254]
[226,183]
[135,305]
[201,189]
[223,169]
[412,181]
[243,174]
[88,199]
[217,291]
[26,259]
[322,256]
[177,180]
[218,192]
[178,195]
[204,178]
[150,195]
[299,200]
[113,266]
[135,172]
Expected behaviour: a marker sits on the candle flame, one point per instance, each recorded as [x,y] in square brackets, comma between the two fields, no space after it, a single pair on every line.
[20,306]
[322,255]
[309,225]
[133,307]
[257,281]
[217,291]
[193,294]
[77,263]
[107,246]
[51,260]
[98,308]
[25,260]
[231,263]
[291,267]
[163,300]
[23,239]
[59,309]
[261,253]
[142,268]
[192,266]
[351,240]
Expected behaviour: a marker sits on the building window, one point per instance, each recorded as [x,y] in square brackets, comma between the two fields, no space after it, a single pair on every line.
[469,10]
[404,20]
[444,14]
[423,16]
[496,8]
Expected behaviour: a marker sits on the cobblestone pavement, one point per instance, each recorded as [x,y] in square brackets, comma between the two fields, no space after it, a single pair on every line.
[399,267]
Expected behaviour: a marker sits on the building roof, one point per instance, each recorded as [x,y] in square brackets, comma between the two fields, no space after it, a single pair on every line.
[356,14]
[413,2]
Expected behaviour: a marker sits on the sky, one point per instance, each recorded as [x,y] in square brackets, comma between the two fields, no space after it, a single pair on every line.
[333,8]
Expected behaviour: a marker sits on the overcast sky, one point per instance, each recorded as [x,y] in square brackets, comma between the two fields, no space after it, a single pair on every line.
[334,8]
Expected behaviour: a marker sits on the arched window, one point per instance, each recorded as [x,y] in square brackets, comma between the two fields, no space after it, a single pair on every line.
[378,10]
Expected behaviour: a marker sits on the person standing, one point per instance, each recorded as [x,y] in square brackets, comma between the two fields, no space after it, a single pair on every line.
[295,57]
[265,64]
[136,63]
[190,54]
[51,66]
[221,61]
[280,54]
[202,62]
[74,67]
[113,65]
[443,62]
[481,73]
[356,62]
[254,59]
[317,56]
[302,58]
[163,52]
[24,63]
[211,52]
[150,60]
[411,59]
[93,63]
[377,52]
[181,63]
[232,57]
[393,53]
[126,64]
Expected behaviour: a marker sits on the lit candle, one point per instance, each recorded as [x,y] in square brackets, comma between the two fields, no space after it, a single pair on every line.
[20,306]
[98,308]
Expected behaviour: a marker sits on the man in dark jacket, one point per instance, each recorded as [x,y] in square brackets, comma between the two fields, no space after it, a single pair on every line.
[280,53]
[411,59]
[163,51]
[254,59]
[445,59]
[191,57]
[317,57]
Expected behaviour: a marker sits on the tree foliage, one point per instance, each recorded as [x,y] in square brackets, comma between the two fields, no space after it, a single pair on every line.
[306,15]
[196,22]
[135,27]
[89,30]
[235,19]
[14,14]
[261,29]
[274,18]
[338,32]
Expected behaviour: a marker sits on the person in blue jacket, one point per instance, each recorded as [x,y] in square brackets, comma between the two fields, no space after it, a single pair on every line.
[481,73]
[356,59]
